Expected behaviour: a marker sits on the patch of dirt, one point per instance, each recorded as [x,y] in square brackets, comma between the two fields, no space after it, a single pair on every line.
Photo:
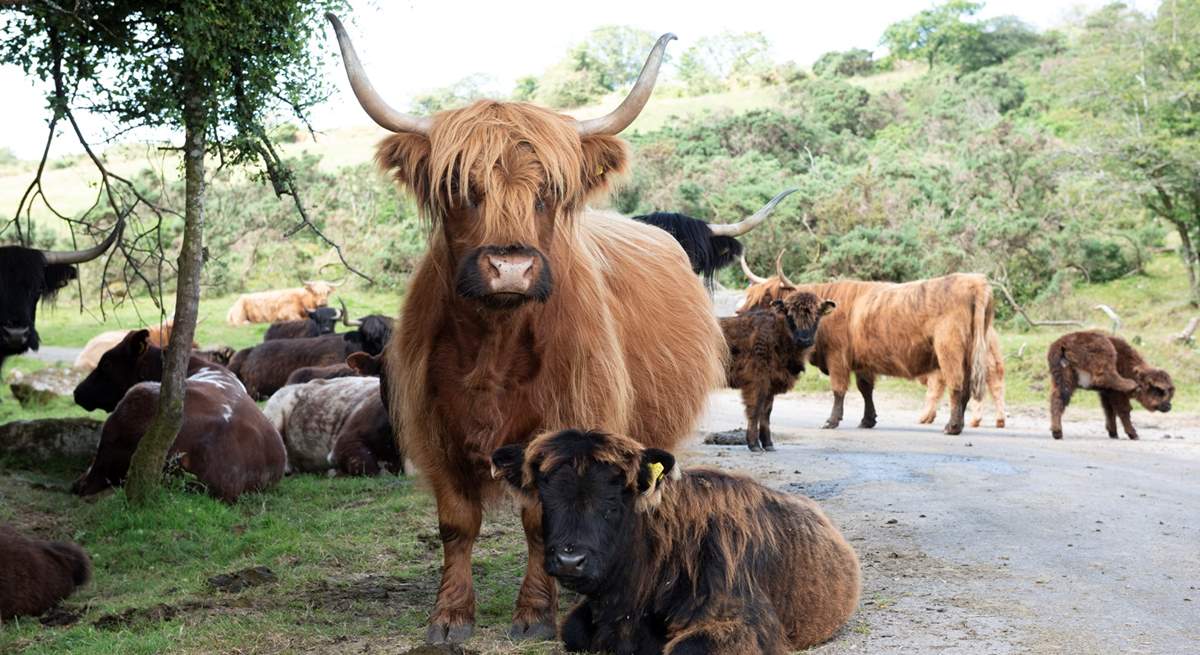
[154,613]
[59,616]
[244,579]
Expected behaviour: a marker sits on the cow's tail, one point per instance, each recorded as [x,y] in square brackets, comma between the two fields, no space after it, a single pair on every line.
[981,322]
[1057,358]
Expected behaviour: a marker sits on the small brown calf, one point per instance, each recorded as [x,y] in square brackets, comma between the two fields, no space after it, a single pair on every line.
[35,575]
[1108,364]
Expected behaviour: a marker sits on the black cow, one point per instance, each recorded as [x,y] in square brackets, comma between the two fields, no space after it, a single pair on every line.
[27,276]
[710,247]
[320,321]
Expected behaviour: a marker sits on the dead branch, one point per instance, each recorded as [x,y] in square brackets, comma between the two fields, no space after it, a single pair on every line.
[1021,310]
[1189,331]
[1112,315]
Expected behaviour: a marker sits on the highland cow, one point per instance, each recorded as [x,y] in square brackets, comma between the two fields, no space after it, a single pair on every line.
[280,304]
[35,575]
[530,311]
[936,386]
[698,561]
[321,320]
[1108,364]
[311,418]
[767,348]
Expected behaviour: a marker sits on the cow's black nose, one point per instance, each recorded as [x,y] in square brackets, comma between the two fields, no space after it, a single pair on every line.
[1165,407]
[14,336]
[570,563]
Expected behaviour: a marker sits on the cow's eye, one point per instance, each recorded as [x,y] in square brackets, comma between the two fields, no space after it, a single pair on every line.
[539,205]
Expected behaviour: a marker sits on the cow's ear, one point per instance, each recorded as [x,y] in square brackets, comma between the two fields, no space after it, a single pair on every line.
[57,277]
[656,464]
[406,157]
[508,463]
[364,364]
[138,341]
[605,158]
[827,306]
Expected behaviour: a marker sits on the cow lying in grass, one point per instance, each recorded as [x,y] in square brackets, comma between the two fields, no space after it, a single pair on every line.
[1108,364]
[314,417]
[225,441]
[703,561]
[35,575]
[767,348]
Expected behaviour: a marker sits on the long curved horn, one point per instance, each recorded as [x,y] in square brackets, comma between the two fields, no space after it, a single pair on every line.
[346,315]
[779,269]
[368,97]
[320,273]
[750,222]
[625,113]
[749,273]
[87,255]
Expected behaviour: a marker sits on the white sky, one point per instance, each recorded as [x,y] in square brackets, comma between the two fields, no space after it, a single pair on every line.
[412,46]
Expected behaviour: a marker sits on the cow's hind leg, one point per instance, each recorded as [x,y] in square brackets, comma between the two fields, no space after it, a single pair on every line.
[764,423]
[933,397]
[459,518]
[537,601]
[839,379]
[955,369]
[995,382]
[1059,399]
[866,387]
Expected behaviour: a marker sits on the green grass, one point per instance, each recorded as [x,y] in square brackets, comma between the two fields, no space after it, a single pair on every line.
[356,559]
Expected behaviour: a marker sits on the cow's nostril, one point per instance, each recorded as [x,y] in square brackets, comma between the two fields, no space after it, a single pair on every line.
[570,562]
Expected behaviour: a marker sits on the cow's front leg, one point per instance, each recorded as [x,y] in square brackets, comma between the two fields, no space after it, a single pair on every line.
[459,518]
[839,379]
[1110,414]
[537,601]
[933,396]
[866,387]
[764,423]
[579,629]
[751,400]
[1120,403]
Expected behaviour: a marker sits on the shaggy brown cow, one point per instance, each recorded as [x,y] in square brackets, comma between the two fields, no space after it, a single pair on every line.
[935,387]
[225,441]
[280,304]
[95,348]
[764,290]
[35,575]
[767,348]
[530,312]
[695,562]
[1108,364]
[315,416]
[903,330]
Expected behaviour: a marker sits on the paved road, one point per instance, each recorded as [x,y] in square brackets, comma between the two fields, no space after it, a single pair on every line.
[55,354]
[998,541]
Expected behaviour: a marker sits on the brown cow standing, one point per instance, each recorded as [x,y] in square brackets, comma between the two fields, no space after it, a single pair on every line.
[225,441]
[903,330]
[935,387]
[35,575]
[767,348]
[1108,364]
[530,312]
[699,561]
[280,304]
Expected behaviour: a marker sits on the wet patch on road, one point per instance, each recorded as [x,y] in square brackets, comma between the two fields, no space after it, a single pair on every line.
[901,468]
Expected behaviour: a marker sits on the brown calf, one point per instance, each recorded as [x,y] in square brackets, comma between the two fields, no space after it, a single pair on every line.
[35,575]
[767,348]
[225,441]
[936,386]
[695,562]
[1108,364]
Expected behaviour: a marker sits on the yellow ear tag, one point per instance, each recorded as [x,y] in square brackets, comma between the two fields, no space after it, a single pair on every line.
[599,170]
[656,473]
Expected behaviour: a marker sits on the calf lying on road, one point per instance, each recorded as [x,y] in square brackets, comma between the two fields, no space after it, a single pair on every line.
[703,561]
[225,441]
[35,575]
[767,348]
[1108,364]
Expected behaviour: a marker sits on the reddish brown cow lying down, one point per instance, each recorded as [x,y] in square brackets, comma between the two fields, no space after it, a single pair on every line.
[35,575]
[225,440]
[313,417]
[1108,364]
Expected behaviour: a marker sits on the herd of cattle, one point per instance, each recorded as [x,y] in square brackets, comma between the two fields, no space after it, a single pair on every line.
[558,353]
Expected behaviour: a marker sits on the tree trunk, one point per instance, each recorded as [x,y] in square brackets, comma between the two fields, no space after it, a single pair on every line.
[145,470]
[1190,260]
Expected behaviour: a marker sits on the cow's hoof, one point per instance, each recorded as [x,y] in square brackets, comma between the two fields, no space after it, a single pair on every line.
[866,424]
[1112,435]
[441,633]
[537,631]
[754,448]
[975,422]
[1133,436]
[926,420]
[770,448]
[999,422]
[1057,434]
[953,429]
[830,425]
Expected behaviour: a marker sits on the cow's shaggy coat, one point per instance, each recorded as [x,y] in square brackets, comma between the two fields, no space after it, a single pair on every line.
[280,304]
[701,561]
[35,575]
[313,416]
[225,441]
[310,373]
[265,368]
[767,349]
[1108,364]
[25,279]
[708,253]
